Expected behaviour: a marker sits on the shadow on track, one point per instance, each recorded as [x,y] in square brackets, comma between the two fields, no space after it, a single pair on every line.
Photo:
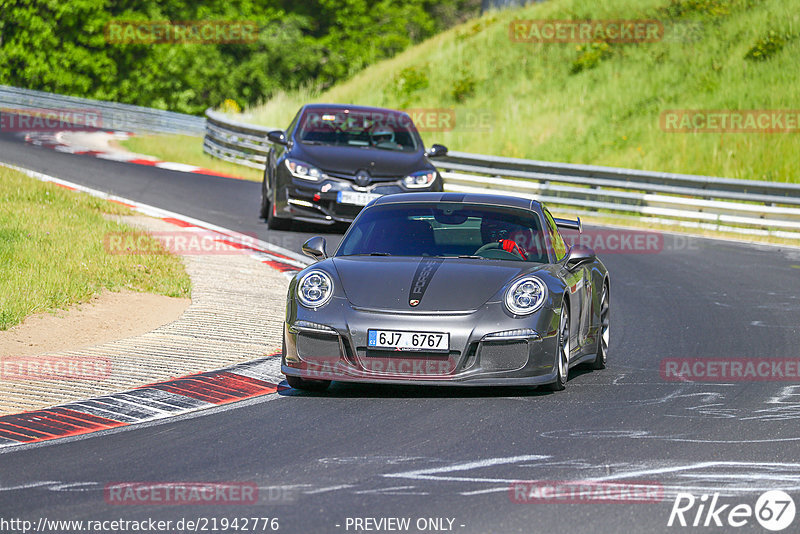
[356,390]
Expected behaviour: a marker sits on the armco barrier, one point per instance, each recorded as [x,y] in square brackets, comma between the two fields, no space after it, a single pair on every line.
[234,141]
[732,205]
[112,116]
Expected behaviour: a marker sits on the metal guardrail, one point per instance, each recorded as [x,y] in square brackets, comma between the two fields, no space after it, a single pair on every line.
[739,206]
[234,141]
[733,205]
[112,116]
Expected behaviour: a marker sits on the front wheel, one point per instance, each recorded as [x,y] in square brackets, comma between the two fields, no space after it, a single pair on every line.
[602,343]
[266,206]
[307,385]
[562,351]
[276,223]
[267,210]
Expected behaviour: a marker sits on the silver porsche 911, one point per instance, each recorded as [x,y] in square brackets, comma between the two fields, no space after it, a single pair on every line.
[447,289]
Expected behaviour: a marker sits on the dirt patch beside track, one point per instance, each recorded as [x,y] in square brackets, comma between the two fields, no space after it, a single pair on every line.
[107,317]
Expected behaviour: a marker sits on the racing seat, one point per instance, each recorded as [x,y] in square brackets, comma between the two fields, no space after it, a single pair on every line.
[419,238]
[402,238]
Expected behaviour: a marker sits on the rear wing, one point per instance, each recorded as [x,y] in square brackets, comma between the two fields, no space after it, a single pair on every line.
[569,224]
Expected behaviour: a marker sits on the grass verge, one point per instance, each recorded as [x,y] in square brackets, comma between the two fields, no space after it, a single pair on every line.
[186,149]
[52,251]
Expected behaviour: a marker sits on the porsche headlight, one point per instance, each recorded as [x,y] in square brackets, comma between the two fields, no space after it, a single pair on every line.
[304,171]
[315,289]
[419,179]
[526,295]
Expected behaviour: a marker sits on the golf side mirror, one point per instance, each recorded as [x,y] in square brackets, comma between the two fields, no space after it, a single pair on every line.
[436,151]
[278,137]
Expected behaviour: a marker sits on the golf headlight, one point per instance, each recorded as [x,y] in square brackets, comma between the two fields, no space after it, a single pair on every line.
[315,289]
[419,179]
[304,171]
[526,295]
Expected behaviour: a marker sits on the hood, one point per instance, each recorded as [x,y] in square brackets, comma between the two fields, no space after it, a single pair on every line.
[452,284]
[349,160]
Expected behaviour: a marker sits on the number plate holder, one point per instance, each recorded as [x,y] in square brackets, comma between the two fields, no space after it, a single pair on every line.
[408,341]
[355,198]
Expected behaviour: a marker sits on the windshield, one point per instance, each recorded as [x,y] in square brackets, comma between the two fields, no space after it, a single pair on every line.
[446,229]
[384,129]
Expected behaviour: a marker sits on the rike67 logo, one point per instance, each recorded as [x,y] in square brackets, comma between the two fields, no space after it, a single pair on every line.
[774,510]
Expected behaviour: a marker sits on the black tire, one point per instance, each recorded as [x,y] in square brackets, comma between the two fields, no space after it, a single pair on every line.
[266,206]
[602,342]
[276,223]
[307,385]
[562,351]
[266,211]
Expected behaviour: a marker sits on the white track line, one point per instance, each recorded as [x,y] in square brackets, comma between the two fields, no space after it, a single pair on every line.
[294,258]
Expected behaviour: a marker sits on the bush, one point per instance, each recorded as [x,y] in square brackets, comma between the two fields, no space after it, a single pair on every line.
[408,81]
[768,46]
[589,56]
[230,106]
[711,8]
[464,86]
[61,47]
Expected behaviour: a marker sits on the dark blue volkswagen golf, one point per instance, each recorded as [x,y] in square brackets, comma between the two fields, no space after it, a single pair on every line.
[334,159]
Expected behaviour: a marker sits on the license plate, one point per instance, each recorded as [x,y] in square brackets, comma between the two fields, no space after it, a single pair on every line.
[412,341]
[356,198]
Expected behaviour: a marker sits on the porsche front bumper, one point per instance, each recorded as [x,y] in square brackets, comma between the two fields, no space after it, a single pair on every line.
[487,347]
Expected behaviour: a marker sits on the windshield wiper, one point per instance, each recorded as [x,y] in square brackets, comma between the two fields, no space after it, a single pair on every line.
[391,149]
[371,254]
[467,256]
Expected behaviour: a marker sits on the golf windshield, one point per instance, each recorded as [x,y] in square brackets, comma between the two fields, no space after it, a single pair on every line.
[378,129]
[447,230]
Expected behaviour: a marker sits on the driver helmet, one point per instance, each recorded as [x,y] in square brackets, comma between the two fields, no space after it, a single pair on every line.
[383,135]
[494,230]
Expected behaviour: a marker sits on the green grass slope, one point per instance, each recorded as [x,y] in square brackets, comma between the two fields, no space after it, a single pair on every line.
[53,252]
[598,103]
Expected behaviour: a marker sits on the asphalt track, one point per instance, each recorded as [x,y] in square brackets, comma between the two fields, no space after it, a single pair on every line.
[362,451]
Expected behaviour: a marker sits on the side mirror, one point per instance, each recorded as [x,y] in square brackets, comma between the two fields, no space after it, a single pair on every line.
[436,151]
[578,255]
[315,248]
[278,137]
